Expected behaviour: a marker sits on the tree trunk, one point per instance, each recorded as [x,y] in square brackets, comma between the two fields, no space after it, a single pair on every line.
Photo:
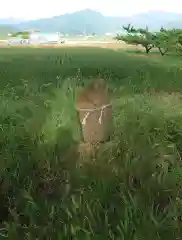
[162,52]
[147,49]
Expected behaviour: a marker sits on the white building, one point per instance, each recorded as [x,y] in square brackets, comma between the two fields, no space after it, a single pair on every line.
[43,38]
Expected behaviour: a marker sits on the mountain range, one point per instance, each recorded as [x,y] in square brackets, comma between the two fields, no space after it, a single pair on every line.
[88,22]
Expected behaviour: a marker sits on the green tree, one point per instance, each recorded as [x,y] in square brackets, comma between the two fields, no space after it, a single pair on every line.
[171,39]
[24,35]
[178,35]
[164,40]
[137,37]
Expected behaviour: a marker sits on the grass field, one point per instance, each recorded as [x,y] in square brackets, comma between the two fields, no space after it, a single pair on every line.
[132,189]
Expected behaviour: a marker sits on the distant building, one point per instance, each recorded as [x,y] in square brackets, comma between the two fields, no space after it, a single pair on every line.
[43,38]
[35,37]
[109,34]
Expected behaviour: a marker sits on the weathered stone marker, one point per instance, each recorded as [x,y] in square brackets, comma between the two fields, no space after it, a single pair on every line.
[95,112]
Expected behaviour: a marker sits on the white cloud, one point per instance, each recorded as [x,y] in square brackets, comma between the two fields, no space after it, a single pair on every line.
[40,8]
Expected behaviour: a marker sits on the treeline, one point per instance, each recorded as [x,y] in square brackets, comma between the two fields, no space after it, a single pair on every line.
[164,40]
[23,35]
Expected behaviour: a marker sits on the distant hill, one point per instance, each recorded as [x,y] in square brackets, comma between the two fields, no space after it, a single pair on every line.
[88,21]
[85,21]
[11,21]
[174,24]
[5,29]
[155,19]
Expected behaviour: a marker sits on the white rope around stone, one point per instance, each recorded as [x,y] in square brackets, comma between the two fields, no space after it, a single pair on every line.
[93,110]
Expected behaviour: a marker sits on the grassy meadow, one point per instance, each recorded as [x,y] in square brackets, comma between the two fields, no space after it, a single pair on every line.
[131,189]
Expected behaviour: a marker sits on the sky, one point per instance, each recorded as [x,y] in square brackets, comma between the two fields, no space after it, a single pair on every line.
[34,9]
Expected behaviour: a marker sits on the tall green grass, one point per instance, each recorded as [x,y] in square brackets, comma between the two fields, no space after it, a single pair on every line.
[131,189]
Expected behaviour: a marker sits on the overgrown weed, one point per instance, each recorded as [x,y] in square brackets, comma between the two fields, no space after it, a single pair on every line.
[130,190]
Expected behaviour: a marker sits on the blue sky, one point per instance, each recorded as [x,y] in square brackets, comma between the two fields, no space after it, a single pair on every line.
[34,9]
